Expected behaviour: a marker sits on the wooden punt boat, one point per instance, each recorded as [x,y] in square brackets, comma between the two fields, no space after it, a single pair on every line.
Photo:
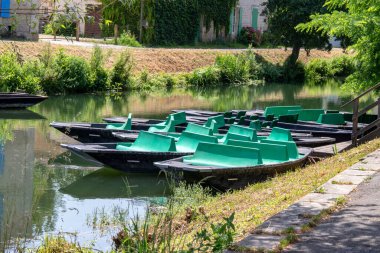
[15,100]
[233,167]
[139,156]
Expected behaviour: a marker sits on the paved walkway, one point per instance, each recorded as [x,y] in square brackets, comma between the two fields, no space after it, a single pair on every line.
[356,228]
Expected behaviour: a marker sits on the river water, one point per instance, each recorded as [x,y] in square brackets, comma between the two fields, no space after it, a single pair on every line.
[45,190]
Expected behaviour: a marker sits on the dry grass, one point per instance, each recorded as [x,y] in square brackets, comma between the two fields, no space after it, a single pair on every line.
[161,60]
[258,202]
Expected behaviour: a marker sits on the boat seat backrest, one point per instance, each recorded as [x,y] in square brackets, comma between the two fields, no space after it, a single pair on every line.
[219,121]
[188,142]
[280,134]
[208,154]
[179,117]
[289,118]
[153,142]
[228,114]
[198,129]
[307,114]
[280,110]
[291,145]
[331,119]
[274,152]
[232,136]
[256,125]
[126,126]
[246,131]
[240,114]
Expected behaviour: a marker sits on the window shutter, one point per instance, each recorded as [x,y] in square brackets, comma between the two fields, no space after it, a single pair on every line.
[5,8]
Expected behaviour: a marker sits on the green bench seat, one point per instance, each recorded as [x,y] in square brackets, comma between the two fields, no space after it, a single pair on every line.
[245,131]
[280,110]
[170,123]
[215,123]
[307,114]
[198,129]
[224,156]
[270,153]
[289,118]
[331,119]
[291,146]
[118,126]
[255,124]
[280,134]
[149,142]
[188,142]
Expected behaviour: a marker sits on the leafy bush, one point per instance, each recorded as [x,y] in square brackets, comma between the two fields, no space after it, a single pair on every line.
[128,39]
[209,76]
[233,69]
[98,75]
[320,70]
[120,77]
[250,36]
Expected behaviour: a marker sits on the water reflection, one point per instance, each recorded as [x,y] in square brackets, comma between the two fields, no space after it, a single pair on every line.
[45,189]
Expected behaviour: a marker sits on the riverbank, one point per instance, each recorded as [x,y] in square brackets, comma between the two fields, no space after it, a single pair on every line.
[250,207]
[155,60]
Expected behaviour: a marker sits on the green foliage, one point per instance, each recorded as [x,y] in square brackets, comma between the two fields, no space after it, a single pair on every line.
[128,39]
[98,75]
[284,16]
[233,69]
[320,70]
[120,77]
[357,21]
[203,77]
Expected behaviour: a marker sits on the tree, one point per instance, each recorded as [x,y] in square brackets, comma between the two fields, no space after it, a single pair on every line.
[359,22]
[284,16]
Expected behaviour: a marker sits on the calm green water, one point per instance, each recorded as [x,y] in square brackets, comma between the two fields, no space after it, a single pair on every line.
[46,190]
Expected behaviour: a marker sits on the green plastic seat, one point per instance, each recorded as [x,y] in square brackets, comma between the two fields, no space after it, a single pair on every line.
[280,110]
[332,111]
[280,134]
[245,131]
[254,117]
[215,122]
[188,142]
[198,129]
[289,118]
[232,136]
[269,117]
[307,114]
[126,126]
[291,146]
[241,114]
[224,156]
[242,120]
[331,119]
[170,123]
[255,124]
[270,153]
[149,142]
[228,114]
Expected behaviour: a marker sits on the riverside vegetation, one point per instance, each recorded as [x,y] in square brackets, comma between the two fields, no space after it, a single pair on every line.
[59,73]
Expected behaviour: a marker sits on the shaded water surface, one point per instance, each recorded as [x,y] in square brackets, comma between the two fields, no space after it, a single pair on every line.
[46,190]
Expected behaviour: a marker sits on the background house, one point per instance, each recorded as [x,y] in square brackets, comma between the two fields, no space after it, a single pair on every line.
[19,19]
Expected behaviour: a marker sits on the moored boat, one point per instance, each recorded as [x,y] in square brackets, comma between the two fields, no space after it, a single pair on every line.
[236,164]
[14,100]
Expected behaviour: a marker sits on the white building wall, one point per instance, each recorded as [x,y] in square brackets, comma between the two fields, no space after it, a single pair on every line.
[246,6]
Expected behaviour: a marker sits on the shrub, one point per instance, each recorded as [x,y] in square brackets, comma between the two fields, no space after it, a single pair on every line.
[68,74]
[250,36]
[209,76]
[10,72]
[233,69]
[128,39]
[99,76]
[120,77]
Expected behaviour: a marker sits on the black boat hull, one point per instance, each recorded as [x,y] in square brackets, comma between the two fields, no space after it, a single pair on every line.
[127,161]
[19,100]
[229,178]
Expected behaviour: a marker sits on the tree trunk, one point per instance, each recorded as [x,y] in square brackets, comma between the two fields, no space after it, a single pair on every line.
[77,30]
[141,19]
[293,57]
[116,32]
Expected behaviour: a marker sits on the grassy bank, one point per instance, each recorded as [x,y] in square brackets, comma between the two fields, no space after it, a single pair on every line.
[196,218]
[58,72]
[157,60]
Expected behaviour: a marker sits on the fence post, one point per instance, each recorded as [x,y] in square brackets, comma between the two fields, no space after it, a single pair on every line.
[355,120]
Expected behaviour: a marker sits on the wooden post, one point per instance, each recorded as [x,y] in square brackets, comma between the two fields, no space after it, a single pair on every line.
[116,32]
[78,30]
[355,120]
[141,19]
